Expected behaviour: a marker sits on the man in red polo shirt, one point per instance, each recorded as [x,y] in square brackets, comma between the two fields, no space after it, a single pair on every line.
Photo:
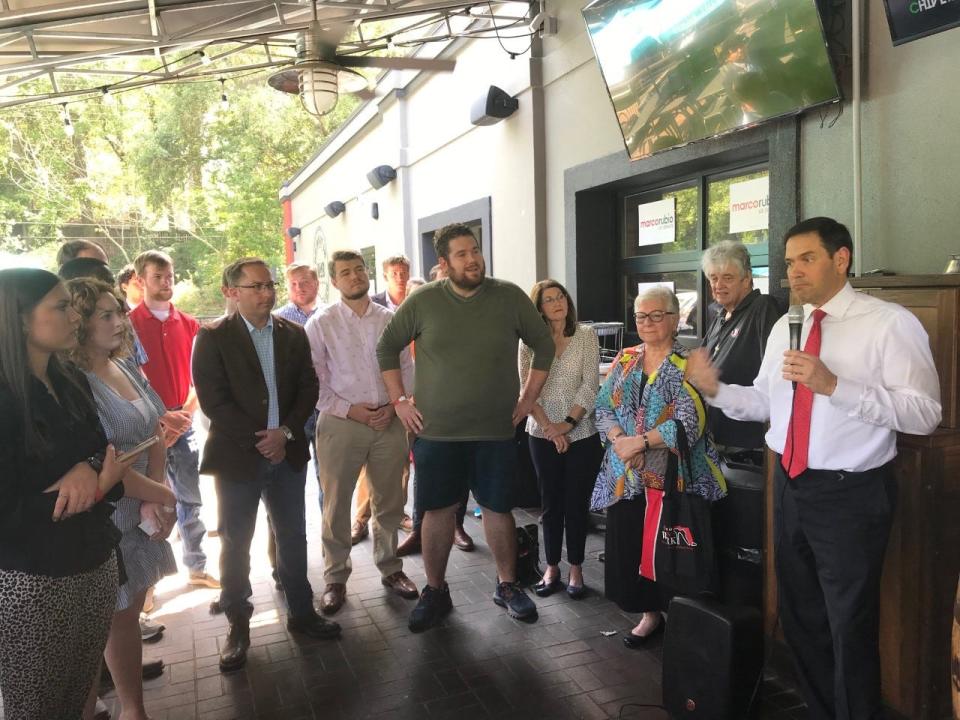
[167,335]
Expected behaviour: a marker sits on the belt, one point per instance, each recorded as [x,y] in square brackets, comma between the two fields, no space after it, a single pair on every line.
[838,474]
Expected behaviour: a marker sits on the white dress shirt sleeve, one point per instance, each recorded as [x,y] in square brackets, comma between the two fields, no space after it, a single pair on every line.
[907,396]
[750,402]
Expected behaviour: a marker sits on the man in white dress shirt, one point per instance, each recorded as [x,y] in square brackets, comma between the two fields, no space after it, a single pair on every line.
[864,374]
[357,426]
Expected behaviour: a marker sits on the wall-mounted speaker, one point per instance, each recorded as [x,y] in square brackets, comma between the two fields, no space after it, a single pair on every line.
[493,107]
[335,208]
[380,176]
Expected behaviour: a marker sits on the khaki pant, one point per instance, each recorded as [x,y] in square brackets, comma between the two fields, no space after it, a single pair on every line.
[343,448]
[361,512]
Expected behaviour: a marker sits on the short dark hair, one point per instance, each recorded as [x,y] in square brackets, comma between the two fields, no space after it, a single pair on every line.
[536,295]
[443,236]
[125,275]
[833,235]
[343,256]
[151,257]
[72,248]
[83,267]
[233,271]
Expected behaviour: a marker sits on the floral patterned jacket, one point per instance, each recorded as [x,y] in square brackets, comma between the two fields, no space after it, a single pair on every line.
[638,407]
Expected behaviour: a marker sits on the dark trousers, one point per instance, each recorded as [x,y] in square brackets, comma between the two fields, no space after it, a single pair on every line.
[831,531]
[566,481]
[310,428]
[282,490]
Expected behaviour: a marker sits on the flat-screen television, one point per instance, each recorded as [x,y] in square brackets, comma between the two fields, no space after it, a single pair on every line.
[914,19]
[679,71]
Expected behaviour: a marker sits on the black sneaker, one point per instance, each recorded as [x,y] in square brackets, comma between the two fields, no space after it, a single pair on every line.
[434,604]
[515,599]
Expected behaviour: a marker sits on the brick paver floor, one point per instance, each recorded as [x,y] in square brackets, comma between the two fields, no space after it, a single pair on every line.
[478,664]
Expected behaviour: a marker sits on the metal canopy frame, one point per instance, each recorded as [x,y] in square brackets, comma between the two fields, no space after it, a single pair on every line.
[56,52]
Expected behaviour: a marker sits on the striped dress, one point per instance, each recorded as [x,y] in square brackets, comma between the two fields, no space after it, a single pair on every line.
[126,426]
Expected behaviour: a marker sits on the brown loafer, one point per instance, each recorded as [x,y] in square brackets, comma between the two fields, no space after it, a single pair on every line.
[406,524]
[410,545]
[334,595]
[358,532]
[401,585]
[462,540]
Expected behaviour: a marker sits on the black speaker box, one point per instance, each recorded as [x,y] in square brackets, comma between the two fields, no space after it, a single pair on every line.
[738,518]
[740,578]
[712,660]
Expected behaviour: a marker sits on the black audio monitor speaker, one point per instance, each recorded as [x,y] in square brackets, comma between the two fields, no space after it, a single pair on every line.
[492,107]
[380,176]
[712,660]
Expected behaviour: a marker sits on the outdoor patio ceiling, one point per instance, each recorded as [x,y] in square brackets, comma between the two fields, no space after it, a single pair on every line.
[52,52]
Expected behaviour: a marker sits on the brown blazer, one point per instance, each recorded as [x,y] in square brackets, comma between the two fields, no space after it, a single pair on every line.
[233,394]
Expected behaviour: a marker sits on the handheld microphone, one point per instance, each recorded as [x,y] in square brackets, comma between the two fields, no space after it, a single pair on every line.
[795,319]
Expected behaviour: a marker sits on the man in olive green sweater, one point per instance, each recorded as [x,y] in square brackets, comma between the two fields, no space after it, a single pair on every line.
[466,330]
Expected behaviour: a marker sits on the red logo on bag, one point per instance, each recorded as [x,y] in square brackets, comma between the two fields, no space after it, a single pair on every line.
[678,536]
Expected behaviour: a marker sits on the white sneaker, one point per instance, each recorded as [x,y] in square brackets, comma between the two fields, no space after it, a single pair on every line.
[150,630]
[101,712]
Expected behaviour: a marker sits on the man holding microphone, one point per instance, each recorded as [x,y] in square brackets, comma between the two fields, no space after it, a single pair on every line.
[835,407]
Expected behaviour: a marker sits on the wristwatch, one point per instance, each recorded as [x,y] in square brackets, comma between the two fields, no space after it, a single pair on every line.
[286,432]
[571,422]
[96,462]
[402,398]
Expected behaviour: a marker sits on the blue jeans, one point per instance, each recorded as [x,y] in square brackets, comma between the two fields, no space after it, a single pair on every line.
[310,428]
[282,489]
[183,461]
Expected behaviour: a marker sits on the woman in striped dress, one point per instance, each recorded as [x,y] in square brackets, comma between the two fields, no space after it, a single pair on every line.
[129,410]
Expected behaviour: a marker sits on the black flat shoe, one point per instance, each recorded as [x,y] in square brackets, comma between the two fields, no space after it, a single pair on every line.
[545,589]
[576,592]
[636,642]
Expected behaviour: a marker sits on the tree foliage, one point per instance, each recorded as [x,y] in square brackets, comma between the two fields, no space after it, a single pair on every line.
[166,167]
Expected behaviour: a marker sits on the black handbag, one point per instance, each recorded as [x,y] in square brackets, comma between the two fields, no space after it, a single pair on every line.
[528,555]
[684,559]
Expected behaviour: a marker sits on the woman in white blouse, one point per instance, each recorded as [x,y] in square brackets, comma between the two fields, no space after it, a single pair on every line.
[564,443]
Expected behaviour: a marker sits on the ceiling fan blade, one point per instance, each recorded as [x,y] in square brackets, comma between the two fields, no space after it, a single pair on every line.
[397,63]
[365,94]
[287,81]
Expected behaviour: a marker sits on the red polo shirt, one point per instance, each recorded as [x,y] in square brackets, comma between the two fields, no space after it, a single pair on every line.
[169,346]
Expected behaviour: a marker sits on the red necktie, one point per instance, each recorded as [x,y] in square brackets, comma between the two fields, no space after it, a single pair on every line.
[798,432]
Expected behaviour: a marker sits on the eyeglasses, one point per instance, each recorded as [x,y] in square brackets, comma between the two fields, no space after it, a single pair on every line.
[259,287]
[551,300]
[654,317]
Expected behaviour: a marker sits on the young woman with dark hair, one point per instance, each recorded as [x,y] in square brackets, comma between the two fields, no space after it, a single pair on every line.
[58,479]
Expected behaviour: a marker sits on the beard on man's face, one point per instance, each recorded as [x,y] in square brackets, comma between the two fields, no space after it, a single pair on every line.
[356,295]
[468,279]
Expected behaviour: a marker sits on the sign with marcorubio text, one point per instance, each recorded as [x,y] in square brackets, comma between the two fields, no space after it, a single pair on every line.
[658,222]
[750,205]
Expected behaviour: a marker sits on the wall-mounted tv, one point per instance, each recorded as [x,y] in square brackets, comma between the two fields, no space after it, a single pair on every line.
[679,71]
[914,19]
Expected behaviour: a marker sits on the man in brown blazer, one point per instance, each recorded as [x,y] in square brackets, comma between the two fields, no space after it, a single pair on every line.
[255,381]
